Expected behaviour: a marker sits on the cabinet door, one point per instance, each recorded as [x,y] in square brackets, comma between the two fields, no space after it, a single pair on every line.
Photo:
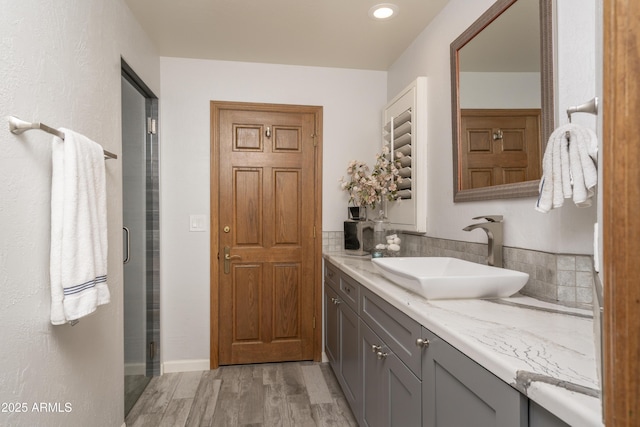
[349,369]
[540,417]
[394,327]
[373,407]
[331,331]
[459,392]
[392,394]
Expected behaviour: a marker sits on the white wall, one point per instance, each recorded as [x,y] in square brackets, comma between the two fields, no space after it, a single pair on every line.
[60,65]
[499,90]
[566,230]
[352,103]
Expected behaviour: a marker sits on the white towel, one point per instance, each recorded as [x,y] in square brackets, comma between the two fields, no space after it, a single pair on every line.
[78,263]
[568,168]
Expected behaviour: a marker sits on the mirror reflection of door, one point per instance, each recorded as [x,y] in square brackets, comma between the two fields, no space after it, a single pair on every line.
[503,61]
[500,70]
[499,147]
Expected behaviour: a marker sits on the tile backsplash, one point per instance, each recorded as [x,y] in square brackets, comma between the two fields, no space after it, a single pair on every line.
[561,278]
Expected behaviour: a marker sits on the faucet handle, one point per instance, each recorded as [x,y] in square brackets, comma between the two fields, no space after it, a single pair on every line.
[490,218]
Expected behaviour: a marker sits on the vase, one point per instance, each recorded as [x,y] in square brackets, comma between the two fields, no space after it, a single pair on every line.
[357,213]
[379,246]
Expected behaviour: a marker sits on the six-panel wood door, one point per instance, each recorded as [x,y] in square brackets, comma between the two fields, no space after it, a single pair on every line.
[499,147]
[266,221]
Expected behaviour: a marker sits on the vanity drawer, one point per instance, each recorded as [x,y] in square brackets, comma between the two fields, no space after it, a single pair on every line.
[349,291]
[331,274]
[395,328]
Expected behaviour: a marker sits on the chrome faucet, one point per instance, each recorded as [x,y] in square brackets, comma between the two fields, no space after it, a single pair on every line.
[493,228]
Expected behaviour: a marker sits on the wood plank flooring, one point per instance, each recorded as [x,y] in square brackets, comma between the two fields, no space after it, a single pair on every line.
[295,394]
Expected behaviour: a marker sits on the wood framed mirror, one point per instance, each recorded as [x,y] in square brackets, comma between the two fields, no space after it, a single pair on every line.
[502,71]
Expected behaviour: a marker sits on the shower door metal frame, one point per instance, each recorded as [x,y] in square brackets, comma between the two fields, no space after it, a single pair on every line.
[152,209]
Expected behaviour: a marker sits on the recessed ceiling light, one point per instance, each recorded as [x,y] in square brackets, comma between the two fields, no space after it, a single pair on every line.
[383,11]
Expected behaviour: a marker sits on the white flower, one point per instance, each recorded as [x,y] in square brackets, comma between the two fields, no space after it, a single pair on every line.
[368,189]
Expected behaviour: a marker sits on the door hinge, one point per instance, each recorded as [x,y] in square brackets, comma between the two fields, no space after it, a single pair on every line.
[152,350]
[152,126]
[314,322]
[314,231]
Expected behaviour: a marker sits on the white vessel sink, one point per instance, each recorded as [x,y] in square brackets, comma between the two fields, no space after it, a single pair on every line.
[450,278]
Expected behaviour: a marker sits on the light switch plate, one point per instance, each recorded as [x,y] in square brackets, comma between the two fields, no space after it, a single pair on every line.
[197,223]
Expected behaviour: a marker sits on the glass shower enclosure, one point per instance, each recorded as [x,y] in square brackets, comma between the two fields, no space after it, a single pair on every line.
[140,236]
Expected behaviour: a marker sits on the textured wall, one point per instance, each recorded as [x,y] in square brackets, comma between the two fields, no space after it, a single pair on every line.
[61,66]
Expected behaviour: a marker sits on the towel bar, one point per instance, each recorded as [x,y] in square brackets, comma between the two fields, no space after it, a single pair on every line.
[590,107]
[17,126]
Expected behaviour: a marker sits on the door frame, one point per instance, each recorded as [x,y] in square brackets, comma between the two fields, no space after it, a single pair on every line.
[621,203]
[215,108]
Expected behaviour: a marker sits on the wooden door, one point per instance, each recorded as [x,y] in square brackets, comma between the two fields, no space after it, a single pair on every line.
[621,204]
[499,147]
[266,224]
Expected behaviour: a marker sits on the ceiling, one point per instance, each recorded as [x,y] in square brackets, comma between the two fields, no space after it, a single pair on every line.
[327,33]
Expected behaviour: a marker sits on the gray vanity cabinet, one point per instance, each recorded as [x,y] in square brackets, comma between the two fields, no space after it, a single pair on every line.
[540,417]
[341,332]
[391,377]
[392,389]
[395,328]
[331,326]
[459,392]
[392,394]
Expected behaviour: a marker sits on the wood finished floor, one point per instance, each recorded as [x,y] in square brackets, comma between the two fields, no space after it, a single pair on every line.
[296,394]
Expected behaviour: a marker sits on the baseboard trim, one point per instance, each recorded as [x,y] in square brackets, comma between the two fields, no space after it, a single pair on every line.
[135,368]
[185,365]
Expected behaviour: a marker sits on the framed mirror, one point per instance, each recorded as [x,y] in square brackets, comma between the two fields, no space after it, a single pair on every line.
[502,101]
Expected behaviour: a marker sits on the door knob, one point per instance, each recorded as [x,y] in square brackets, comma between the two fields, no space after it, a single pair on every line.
[422,343]
[227,259]
[381,355]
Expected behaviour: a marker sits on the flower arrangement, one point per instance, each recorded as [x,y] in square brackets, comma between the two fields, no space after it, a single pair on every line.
[368,189]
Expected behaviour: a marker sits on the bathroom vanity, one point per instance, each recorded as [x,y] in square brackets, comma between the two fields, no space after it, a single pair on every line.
[403,360]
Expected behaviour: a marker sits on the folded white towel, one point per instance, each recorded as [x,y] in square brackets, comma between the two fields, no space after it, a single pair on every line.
[78,261]
[568,168]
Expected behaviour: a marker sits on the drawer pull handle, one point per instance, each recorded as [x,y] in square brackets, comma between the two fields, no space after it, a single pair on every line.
[381,355]
[375,348]
[422,343]
[336,301]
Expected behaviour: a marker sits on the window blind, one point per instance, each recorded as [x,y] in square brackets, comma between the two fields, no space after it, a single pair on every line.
[398,133]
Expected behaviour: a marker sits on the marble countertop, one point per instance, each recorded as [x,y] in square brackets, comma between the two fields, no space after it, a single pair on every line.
[544,350]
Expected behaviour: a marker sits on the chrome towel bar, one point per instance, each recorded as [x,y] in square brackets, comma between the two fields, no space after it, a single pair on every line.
[590,107]
[17,126]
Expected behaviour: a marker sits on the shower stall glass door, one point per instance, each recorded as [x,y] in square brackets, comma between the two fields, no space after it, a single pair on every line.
[139,182]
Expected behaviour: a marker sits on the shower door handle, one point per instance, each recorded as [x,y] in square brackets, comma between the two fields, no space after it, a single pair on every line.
[127,246]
